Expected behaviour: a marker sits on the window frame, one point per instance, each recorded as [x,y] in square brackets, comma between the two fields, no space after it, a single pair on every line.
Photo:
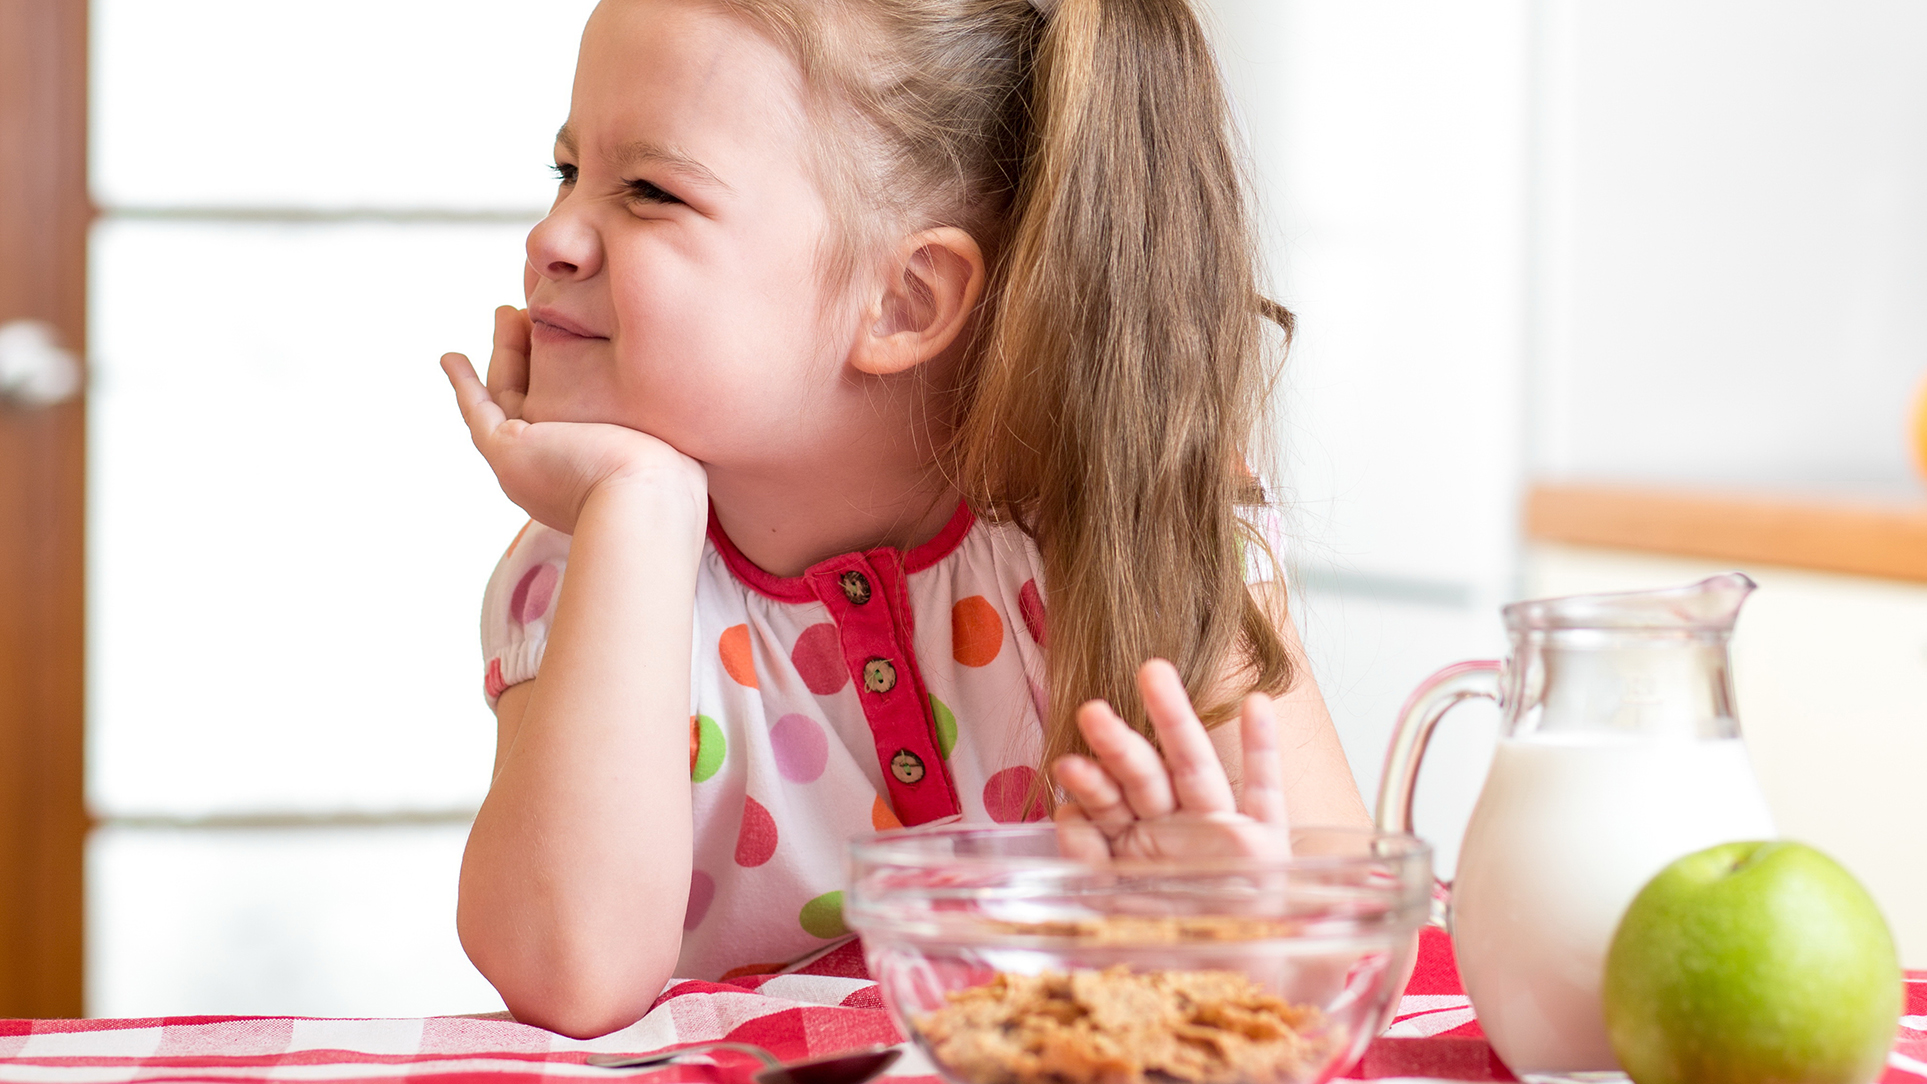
[43,276]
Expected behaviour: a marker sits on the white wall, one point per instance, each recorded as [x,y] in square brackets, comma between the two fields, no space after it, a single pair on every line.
[1389,145]
[1638,240]
[1734,240]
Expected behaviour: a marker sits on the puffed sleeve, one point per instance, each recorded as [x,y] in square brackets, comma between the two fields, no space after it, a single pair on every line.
[1267,521]
[518,607]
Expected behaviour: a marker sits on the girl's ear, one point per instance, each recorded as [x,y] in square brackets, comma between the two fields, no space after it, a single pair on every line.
[931,284]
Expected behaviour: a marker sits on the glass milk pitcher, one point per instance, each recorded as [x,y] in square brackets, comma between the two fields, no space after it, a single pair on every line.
[1618,753]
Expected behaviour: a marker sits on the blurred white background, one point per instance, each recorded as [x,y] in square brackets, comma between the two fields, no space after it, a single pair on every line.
[303,207]
[1639,241]
[1525,240]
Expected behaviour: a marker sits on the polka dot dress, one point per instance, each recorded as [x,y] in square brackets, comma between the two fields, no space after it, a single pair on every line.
[878,689]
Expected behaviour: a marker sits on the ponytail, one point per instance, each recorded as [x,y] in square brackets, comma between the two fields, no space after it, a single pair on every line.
[1120,378]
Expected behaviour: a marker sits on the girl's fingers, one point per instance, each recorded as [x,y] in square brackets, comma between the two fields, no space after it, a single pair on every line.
[1077,837]
[1094,795]
[1264,790]
[478,408]
[1196,773]
[1129,759]
[508,363]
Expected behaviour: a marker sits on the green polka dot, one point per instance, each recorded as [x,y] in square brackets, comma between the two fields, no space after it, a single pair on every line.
[946,727]
[823,916]
[709,749]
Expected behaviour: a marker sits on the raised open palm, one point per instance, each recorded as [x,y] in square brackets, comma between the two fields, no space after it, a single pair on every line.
[1132,802]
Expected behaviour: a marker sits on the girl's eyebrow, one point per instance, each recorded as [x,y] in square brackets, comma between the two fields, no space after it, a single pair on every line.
[648,152]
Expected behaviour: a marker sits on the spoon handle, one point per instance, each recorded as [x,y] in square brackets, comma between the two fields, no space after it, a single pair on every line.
[660,1057]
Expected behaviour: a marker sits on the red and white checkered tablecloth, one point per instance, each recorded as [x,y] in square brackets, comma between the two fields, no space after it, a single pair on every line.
[829,1006]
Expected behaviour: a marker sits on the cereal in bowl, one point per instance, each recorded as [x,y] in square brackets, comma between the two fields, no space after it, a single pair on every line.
[1121,1027]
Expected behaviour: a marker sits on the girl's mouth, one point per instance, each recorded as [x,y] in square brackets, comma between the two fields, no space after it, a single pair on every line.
[548,325]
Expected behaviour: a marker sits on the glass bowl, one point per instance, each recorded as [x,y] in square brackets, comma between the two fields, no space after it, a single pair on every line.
[1011,955]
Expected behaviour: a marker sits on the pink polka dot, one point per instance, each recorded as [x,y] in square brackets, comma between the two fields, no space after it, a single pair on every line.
[1009,797]
[1030,603]
[702,893]
[819,658]
[533,593]
[756,840]
[801,748]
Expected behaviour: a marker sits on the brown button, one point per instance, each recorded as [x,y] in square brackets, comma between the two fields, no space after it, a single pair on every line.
[879,675]
[856,587]
[906,766]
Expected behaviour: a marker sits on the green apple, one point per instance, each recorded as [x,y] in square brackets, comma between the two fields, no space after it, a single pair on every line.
[1752,962]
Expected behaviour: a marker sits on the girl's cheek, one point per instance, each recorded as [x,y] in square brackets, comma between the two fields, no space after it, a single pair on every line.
[643,280]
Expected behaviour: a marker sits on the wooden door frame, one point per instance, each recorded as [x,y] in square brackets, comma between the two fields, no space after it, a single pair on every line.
[44,216]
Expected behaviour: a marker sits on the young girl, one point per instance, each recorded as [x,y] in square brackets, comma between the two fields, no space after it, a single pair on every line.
[886,389]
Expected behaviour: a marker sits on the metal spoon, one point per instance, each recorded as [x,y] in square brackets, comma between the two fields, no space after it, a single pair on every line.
[849,1067]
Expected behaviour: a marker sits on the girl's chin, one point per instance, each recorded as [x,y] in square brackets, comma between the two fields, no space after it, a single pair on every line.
[544,408]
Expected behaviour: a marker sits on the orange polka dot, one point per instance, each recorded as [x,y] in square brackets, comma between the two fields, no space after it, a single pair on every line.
[976,632]
[695,742]
[518,539]
[734,647]
[882,817]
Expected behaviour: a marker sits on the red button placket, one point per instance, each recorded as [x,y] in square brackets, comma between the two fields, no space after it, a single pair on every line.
[875,628]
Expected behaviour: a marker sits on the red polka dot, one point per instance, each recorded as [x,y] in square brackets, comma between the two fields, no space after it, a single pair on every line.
[533,593]
[882,817]
[819,658]
[492,681]
[976,632]
[1030,603]
[801,748]
[702,893]
[1011,796]
[756,841]
[734,648]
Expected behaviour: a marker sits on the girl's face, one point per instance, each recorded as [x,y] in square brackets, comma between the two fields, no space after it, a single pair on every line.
[674,286]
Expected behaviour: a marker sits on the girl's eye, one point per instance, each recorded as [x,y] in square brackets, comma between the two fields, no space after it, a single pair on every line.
[564,172]
[649,193]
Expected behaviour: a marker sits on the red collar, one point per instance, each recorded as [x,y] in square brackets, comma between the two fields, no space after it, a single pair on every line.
[797,588]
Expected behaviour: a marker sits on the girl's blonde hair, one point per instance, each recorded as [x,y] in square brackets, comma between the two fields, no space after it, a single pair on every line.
[1117,376]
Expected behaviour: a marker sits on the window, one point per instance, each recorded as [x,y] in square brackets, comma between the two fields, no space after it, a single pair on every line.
[302,208]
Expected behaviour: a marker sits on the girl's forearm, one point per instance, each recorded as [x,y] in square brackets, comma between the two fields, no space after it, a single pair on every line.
[576,874]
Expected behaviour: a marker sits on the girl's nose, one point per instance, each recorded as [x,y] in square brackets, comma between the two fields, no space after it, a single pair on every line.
[565,246]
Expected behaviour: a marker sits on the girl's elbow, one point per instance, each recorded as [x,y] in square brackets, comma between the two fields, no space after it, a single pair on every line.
[585,1015]
[563,989]
[581,1002]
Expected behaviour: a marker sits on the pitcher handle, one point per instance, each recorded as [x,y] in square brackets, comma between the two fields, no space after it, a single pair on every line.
[1435,696]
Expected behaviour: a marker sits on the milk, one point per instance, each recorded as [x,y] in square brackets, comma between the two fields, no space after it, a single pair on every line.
[1566,832]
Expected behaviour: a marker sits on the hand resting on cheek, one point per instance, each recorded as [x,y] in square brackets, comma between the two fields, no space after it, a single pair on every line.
[1132,802]
[551,469]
